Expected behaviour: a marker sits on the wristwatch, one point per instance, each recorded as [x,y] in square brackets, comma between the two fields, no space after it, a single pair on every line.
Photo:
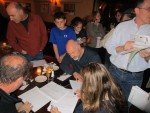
[23,111]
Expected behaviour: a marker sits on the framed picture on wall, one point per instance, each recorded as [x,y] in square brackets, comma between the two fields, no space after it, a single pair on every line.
[44,7]
[69,8]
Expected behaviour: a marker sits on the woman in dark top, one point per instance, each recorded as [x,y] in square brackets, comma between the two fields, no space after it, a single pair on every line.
[77,24]
[99,92]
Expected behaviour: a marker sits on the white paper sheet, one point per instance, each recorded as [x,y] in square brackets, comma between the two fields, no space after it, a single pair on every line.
[140,42]
[64,77]
[37,98]
[66,104]
[139,98]
[37,63]
[23,87]
[75,85]
[54,91]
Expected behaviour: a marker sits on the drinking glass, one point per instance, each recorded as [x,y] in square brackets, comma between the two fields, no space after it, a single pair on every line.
[48,72]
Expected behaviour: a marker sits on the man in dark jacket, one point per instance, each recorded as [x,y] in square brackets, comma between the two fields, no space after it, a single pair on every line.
[13,70]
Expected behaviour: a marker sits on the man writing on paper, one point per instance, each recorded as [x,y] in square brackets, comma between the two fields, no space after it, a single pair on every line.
[13,70]
[119,42]
[26,32]
[76,58]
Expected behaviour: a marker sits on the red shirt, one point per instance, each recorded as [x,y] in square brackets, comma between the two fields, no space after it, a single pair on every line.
[32,40]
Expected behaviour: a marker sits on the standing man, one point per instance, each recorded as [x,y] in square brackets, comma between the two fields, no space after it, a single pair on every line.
[77,57]
[26,32]
[120,41]
[13,70]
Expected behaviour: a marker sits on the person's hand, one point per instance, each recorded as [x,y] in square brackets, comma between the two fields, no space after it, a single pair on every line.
[25,107]
[144,53]
[78,93]
[54,110]
[128,45]
[23,52]
[61,58]
[58,59]
[77,76]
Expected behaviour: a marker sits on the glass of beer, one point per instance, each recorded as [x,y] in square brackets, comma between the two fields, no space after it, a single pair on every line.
[48,72]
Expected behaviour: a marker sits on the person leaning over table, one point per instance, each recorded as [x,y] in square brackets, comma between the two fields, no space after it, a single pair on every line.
[77,57]
[99,92]
[120,41]
[26,32]
[13,70]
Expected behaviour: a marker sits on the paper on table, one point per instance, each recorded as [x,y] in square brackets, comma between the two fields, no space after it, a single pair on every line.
[135,98]
[23,87]
[37,98]
[54,91]
[37,63]
[66,104]
[63,77]
[75,85]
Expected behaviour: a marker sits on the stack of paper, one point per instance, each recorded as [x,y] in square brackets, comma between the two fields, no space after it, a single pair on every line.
[64,77]
[35,97]
[38,63]
[139,98]
[54,91]
[38,97]
[75,85]
[66,104]
[140,42]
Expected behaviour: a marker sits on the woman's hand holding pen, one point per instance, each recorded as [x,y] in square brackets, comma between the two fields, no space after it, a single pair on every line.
[78,93]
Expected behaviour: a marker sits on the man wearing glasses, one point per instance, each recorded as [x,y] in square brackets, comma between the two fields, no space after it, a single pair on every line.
[120,41]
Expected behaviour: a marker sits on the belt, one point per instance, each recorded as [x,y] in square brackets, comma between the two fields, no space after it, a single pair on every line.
[125,71]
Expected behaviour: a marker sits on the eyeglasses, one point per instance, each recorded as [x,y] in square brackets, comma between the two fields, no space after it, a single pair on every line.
[148,9]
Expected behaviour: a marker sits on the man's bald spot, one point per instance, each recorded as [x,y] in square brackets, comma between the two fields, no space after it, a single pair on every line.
[12,5]
[71,44]
[13,61]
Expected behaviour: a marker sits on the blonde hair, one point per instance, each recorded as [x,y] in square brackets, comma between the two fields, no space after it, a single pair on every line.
[97,85]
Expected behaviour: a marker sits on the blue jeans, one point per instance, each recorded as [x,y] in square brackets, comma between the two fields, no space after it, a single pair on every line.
[126,79]
[38,56]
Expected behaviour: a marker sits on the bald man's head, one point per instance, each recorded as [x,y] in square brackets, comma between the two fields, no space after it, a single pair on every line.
[73,49]
[12,67]
[16,12]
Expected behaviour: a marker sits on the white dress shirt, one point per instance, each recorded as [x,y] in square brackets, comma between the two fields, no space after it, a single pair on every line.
[123,33]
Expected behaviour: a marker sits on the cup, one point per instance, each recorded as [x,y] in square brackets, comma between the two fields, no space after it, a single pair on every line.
[48,72]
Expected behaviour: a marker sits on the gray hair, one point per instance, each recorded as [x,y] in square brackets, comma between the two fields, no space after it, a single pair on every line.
[9,73]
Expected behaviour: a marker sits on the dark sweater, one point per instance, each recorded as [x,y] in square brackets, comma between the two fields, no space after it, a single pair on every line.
[32,40]
[7,103]
[69,65]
